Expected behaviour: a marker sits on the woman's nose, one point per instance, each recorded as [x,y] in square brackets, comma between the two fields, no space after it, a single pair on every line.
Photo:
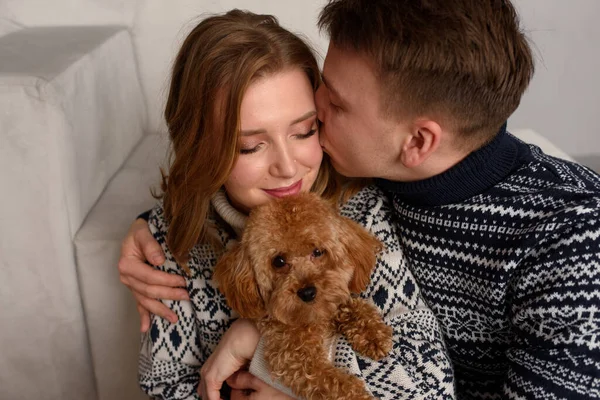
[284,165]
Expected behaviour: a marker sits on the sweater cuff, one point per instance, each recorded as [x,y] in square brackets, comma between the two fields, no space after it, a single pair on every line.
[260,369]
[145,215]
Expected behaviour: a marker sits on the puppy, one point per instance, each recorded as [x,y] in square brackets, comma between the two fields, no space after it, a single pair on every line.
[293,272]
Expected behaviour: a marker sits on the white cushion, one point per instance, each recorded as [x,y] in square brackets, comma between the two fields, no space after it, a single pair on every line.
[531,136]
[85,80]
[7,26]
[72,110]
[68,12]
[111,316]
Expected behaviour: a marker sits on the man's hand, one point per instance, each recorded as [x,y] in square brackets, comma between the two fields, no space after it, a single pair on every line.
[246,386]
[146,283]
[235,349]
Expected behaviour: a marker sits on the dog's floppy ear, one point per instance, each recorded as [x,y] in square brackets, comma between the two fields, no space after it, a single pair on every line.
[236,281]
[361,252]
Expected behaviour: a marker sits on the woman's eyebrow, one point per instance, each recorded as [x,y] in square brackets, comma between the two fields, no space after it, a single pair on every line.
[250,132]
[304,117]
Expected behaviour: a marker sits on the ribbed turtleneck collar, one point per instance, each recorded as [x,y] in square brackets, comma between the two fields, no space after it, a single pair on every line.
[476,173]
[235,218]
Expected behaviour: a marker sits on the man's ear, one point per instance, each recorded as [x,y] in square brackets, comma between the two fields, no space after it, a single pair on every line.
[423,140]
[235,278]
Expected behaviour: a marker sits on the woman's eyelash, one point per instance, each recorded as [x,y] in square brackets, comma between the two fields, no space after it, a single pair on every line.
[308,134]
[249,151]
[302,136]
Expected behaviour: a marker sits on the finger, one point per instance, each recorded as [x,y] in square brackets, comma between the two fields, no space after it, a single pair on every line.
[150,247]
[144,318]
[156,307]
[139,236]
[134,266]
[210,393]
[157,291]
[244,380]
[239,394]
[202,390]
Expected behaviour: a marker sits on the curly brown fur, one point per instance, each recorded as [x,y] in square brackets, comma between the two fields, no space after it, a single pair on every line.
[294,271]
[361,323]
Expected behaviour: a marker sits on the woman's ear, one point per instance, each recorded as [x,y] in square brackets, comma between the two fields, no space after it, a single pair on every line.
[235,278]
[361,249]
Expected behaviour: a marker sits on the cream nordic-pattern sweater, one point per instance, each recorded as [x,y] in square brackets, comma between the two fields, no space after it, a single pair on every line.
[418,366]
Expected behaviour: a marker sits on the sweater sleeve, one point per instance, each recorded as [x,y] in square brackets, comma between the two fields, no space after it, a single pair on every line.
[170,355]
[168,367]
[418,365]
[555,314]
[145,215]
[260,369]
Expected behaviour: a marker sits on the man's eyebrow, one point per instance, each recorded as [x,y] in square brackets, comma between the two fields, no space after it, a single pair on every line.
[304,117]
[331,88]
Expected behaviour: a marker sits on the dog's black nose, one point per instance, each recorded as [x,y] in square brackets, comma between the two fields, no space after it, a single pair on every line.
[307,293]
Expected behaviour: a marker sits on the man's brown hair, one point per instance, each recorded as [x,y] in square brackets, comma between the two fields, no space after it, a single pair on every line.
[464,62]
[221,57]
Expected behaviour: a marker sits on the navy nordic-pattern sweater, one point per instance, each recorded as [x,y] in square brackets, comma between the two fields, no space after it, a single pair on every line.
[505,247]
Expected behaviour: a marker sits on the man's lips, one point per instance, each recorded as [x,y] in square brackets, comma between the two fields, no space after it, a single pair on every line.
[285,191]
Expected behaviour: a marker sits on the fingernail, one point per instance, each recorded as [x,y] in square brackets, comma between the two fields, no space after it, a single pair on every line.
[172,319]
[157,258]
[185,296]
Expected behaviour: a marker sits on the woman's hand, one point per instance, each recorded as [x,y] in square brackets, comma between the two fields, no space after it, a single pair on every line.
[234,351]
[246,386]
[146,283]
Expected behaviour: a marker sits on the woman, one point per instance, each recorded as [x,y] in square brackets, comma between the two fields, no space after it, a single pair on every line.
[243,127]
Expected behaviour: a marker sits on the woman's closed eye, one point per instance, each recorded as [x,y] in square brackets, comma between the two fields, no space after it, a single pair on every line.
[307,134]
[250,150]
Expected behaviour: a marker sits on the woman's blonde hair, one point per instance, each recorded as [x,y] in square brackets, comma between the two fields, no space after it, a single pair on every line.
[216,64]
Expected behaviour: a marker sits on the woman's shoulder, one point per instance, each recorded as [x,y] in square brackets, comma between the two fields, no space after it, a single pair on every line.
[370,206]
[202,256]
[159,227]
[157,221]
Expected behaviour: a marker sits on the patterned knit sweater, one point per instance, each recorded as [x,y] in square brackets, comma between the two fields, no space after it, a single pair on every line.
[505,247]
[417,368]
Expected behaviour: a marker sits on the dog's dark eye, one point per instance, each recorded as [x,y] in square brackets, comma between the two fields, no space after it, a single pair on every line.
[317,253]
[278,262]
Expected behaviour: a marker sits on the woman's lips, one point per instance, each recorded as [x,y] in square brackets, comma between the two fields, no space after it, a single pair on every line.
[285,191]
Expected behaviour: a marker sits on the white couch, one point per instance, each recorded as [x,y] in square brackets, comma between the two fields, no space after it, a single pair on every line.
[81,139]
